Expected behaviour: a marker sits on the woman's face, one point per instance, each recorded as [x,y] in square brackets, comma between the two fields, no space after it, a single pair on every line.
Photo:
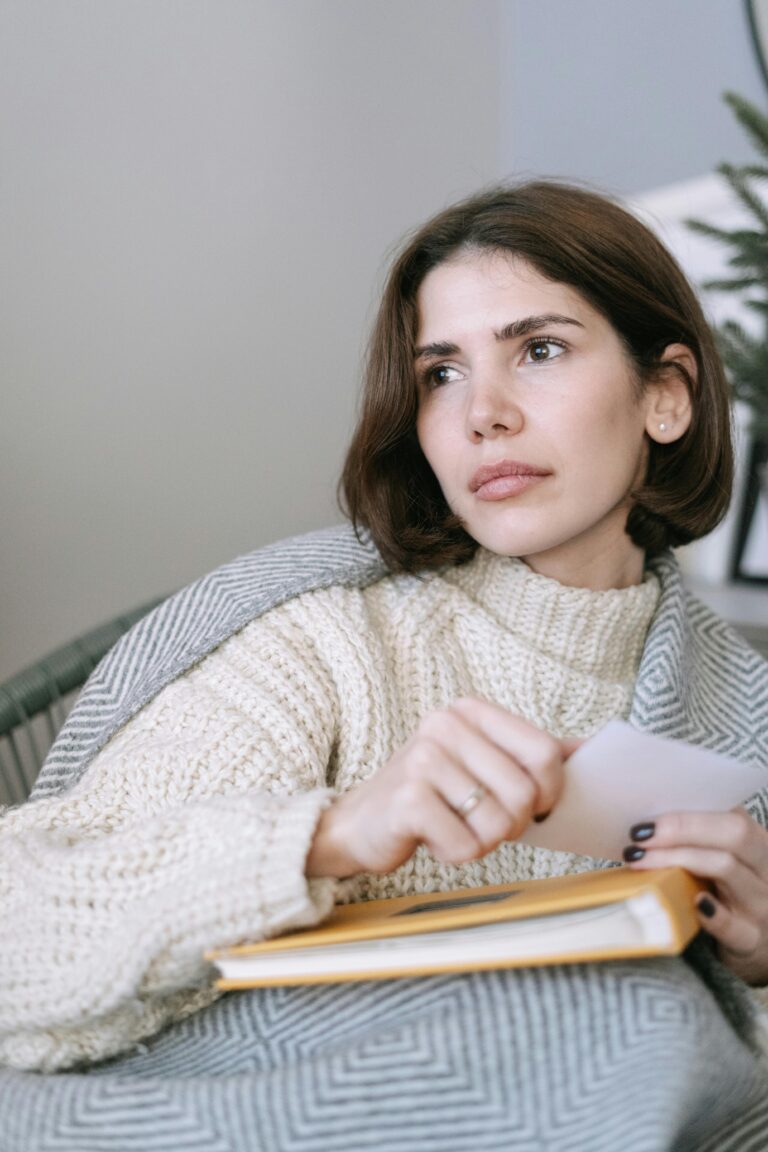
[530,419]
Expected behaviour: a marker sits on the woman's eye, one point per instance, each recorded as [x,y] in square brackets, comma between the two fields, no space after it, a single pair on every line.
[539,350]
[441,374]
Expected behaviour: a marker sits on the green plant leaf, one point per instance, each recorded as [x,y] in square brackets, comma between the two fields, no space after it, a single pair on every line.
[736,285]
[745,355]
[751,119]
[740,186]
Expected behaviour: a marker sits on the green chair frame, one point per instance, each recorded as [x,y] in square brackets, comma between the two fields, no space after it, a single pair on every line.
[34,703]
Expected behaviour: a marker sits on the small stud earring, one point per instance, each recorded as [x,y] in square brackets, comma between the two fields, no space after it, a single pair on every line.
[662,427]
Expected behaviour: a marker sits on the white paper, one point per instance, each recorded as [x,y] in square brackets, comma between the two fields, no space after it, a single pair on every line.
[621,777]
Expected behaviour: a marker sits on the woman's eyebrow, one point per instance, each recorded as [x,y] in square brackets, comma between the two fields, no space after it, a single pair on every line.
[511,331]
[532,323]
[439,349]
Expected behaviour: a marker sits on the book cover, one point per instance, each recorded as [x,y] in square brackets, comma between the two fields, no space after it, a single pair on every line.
[598,915]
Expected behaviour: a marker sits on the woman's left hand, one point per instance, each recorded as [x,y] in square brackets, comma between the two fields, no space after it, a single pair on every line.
[729,849]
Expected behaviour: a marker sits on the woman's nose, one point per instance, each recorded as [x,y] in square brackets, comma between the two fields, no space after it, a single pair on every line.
[491,410]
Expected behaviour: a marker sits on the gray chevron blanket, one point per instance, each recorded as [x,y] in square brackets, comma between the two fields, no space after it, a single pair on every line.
[643,1056]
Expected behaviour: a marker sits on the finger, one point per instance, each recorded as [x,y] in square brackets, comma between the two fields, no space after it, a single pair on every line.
[491,820]
[497,770]
[737,935]
[448,776]
[444,834]
[532,749]
[735,832]
[736,883]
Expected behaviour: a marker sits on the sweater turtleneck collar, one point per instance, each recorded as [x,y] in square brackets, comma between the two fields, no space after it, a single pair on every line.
[595,633]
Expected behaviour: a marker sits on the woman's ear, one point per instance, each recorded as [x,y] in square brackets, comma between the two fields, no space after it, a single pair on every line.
[668,401]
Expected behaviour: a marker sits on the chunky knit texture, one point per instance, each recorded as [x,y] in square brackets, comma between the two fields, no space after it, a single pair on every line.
[191,828]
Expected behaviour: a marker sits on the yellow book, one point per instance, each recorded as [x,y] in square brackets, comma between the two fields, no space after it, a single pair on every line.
[600,915]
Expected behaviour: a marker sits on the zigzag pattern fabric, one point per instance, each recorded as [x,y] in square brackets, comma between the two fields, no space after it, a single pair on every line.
[642,1056]
[585,1059]
[185,628]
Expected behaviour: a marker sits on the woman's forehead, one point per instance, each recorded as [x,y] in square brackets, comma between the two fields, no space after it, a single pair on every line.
[491,289]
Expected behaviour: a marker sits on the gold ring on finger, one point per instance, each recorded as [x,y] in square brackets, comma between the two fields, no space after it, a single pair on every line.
[470,802]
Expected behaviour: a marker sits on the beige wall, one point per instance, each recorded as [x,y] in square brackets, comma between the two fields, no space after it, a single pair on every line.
[195,203]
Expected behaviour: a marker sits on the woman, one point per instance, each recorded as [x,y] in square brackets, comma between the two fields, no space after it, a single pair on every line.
[544,416]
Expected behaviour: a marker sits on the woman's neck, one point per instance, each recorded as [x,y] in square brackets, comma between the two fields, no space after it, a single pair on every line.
[614,564]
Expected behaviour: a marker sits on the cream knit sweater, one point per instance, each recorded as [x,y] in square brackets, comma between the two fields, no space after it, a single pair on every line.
[191,827]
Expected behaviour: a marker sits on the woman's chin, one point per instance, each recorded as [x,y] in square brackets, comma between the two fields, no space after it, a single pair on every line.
[505,540]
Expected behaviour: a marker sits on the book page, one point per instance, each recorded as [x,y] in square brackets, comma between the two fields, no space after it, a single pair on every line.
[578,934]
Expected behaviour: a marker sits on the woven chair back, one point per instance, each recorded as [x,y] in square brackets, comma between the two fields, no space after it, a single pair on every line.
[34,703]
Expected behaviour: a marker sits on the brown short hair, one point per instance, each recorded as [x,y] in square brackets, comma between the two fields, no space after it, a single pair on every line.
[572,236]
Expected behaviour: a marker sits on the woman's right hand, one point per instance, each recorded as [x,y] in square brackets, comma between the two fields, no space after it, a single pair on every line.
[420,793]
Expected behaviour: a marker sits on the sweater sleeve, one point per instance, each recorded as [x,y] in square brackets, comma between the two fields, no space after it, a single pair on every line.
[189,831]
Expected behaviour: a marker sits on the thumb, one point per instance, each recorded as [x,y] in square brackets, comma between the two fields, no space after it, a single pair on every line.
[570,744]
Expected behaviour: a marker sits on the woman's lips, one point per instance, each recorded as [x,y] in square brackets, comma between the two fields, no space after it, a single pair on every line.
[504,486]
[507,478]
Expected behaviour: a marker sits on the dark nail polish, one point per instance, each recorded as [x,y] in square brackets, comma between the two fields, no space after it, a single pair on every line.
[706,907]
[541,817]
[633,853]
[642,831]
